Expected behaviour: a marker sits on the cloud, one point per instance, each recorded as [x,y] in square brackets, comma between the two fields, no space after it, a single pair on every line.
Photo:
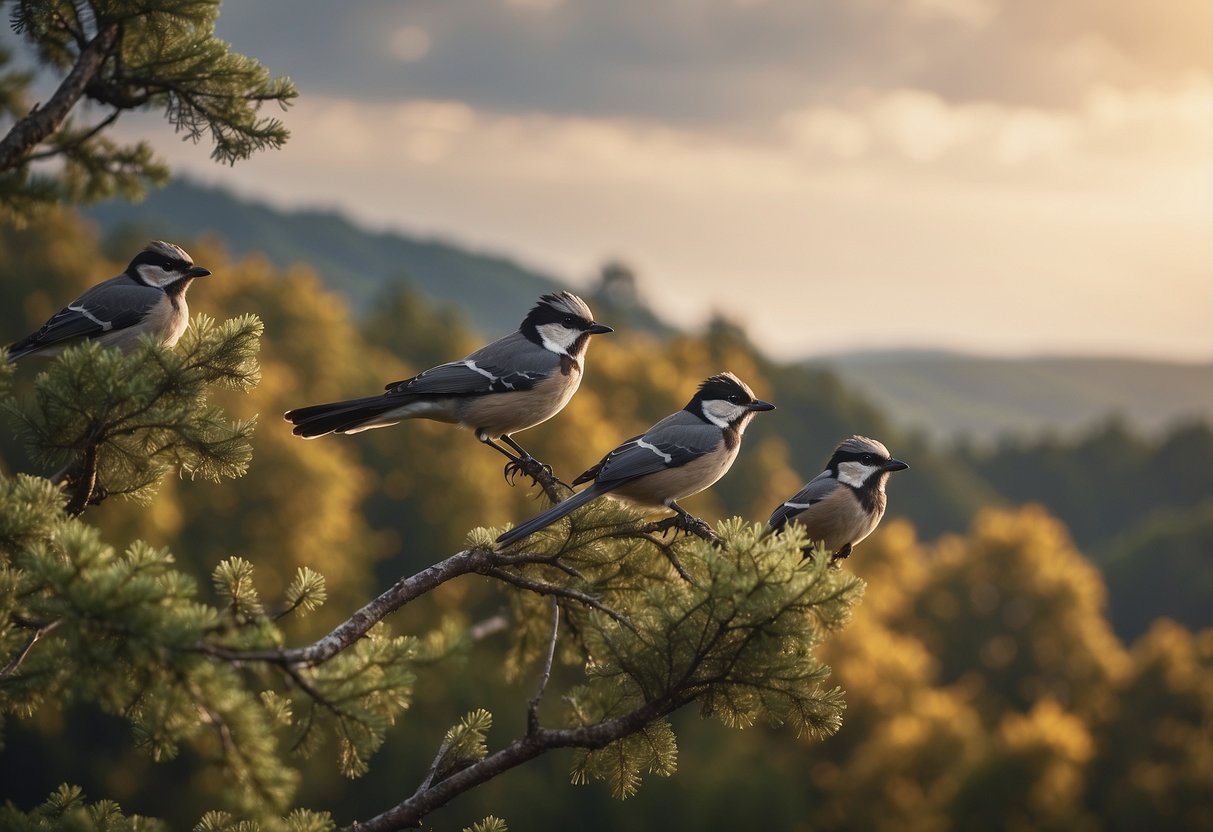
[717,61]
[1017,228]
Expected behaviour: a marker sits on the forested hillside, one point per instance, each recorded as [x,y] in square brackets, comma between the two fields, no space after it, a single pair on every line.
[983,676]
[355,262]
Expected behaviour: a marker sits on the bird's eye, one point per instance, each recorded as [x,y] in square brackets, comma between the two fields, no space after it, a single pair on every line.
[867,459]
[569,321]
[735,398]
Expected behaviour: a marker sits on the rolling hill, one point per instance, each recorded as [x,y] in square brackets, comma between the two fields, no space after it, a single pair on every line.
[490,289]
[948,395]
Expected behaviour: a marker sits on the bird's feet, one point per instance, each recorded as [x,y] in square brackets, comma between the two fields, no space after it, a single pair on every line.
[838,557]
[685,522]
[835,558]
[540,473]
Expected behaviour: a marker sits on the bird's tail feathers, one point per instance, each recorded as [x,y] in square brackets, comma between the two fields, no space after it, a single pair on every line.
[550,516]
[341,417]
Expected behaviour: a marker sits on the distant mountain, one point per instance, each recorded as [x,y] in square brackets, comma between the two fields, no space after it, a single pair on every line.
[492,290]
[949,395]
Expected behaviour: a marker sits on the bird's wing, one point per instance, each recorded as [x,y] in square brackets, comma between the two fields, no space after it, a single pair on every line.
[500,367]
[671,443]
[117,303]
[816,490]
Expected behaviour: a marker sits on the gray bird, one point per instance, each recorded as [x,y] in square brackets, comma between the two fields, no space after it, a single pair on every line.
[681,455]
[510,385]
[149,297]
[844,503]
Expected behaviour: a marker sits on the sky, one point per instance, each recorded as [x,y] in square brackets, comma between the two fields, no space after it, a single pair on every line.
[999,176]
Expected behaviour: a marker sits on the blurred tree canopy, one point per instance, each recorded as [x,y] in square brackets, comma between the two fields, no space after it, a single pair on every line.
[984,684]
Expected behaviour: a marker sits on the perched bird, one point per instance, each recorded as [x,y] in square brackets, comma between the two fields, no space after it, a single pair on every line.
[512,384]
[679,456]
[149,297]
[844,503]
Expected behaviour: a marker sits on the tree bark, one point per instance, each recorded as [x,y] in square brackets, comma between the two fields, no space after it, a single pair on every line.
[41,122]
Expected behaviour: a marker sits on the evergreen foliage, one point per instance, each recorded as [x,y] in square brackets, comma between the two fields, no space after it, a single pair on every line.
[652,624]
[121,56]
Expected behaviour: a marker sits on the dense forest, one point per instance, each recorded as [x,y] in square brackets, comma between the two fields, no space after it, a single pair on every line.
[1028,653]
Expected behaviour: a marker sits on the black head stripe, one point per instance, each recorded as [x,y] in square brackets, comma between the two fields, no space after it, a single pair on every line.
[722,387]
[155,258]
[555,308]
[561,307]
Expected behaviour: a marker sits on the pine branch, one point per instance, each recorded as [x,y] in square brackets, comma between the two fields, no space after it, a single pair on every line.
[357,625]
[468,561]
[427,798]
[42,122]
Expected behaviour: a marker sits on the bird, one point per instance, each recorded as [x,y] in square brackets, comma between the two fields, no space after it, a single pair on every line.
[844,503]
[681,455]
[512,384]
[148,297]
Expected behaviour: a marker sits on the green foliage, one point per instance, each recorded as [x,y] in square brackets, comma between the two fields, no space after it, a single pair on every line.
[126,633]
[118,423]
[489,824]
[652,749]
[465,743]
[66,810]
[734,628]
[161,55]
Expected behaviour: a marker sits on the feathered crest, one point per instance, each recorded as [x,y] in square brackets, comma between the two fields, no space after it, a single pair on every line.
[559,304]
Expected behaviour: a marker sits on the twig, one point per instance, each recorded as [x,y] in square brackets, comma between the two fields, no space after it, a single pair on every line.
[645,533]
[433,770]
[545,673]
[540,588]
[15,662]
[488,627]
[425,800]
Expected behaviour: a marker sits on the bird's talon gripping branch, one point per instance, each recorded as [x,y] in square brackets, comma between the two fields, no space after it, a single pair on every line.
[697,526]
[541,473]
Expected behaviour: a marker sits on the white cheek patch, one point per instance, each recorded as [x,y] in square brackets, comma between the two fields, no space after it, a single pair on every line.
[557,337]
[721,413]
[854,474]
[154,275]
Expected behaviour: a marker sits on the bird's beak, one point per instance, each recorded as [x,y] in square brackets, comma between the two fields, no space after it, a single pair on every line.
[895,465]
[598,329]
[759,404]
[198,271]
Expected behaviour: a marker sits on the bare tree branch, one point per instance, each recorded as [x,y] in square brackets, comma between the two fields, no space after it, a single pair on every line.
[545,673]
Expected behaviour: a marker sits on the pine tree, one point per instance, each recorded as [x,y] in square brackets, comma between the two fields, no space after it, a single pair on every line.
[122,56]
[653,624]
